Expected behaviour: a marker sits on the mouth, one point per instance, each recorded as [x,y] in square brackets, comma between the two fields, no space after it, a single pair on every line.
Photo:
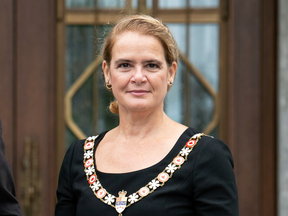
[138,92]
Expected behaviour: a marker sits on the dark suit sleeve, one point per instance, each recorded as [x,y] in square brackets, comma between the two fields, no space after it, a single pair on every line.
[215,190]
[8,203]
[66,198]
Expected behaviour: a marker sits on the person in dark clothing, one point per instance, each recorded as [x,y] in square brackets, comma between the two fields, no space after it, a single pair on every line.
[8,202]
[149,165]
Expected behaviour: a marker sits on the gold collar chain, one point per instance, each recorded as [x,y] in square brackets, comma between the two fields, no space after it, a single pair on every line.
[122,201]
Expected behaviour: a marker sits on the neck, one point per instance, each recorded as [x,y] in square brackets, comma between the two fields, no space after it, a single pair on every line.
[140,125]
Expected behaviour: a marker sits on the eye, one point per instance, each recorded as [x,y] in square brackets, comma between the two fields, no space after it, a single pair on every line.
[152,66]
[124,65]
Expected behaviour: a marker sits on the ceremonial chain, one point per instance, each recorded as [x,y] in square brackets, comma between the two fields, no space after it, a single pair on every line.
[158,181]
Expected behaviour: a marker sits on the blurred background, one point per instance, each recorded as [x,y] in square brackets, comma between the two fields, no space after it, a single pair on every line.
[232,83]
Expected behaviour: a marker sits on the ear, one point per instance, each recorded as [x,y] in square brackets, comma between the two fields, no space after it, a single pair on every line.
[172,71]
[105,68]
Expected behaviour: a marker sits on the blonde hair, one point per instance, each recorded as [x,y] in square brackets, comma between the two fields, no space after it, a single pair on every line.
[146,25]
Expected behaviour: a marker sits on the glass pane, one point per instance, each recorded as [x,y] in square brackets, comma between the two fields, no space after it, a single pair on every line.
[111,4]
[79,3]
[149,4]
[214,133]
[79,54]
[174,100]
[79,51]
[179,33]
[105,119]
[134,4]
[201,105]
[204,51]
[204,54]
[172,4]
[204,3]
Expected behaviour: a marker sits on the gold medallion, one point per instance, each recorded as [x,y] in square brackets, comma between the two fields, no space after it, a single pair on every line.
[121,202]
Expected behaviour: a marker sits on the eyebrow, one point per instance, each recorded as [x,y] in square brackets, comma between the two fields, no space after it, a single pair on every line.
[153,61]
[123,60]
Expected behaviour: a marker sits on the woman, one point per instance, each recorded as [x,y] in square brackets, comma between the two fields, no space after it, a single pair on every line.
[149,164]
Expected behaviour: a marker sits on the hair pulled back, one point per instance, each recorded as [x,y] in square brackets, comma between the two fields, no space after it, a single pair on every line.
[142,24]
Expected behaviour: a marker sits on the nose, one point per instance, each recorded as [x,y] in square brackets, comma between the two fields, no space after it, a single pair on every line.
[139,75]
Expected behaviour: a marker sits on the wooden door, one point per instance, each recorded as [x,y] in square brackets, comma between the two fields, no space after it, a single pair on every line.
[28,100]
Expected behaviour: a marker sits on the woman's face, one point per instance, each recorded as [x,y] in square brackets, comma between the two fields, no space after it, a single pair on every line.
[138,72]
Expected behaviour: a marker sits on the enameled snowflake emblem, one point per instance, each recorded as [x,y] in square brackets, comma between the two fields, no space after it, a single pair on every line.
[109,199]
[197,136]
[154,184]
[95,186]
[88,154]
[90,138]
[185,151]
[133,198]
[171,168]
[90,170]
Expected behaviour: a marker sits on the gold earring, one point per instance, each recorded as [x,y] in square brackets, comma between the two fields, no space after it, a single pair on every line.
[108,86]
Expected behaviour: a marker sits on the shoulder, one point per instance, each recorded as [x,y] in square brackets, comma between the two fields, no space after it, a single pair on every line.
[207,145]
[213,178]
[214,149]
[74,155]
[208,150]
[76,149]
[213,144]
[212,159]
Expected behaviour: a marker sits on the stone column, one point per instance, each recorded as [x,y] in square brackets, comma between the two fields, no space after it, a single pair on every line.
[283,108]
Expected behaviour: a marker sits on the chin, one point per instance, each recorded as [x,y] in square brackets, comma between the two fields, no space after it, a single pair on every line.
[137,107]
[140,105]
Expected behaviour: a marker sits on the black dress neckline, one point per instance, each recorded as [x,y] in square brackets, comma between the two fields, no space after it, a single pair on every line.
[163,162]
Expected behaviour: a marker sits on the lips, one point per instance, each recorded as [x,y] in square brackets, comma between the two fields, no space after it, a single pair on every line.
[138,92]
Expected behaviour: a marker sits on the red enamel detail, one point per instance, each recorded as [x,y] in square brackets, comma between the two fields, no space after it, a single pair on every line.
[101,193]
[144,191]
[88,145]
[178,160]
[190,143]
[92,179]
[163,177]
[88,163]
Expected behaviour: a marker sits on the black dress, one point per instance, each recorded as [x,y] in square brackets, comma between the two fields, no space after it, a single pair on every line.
[8,202]
[204,185]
